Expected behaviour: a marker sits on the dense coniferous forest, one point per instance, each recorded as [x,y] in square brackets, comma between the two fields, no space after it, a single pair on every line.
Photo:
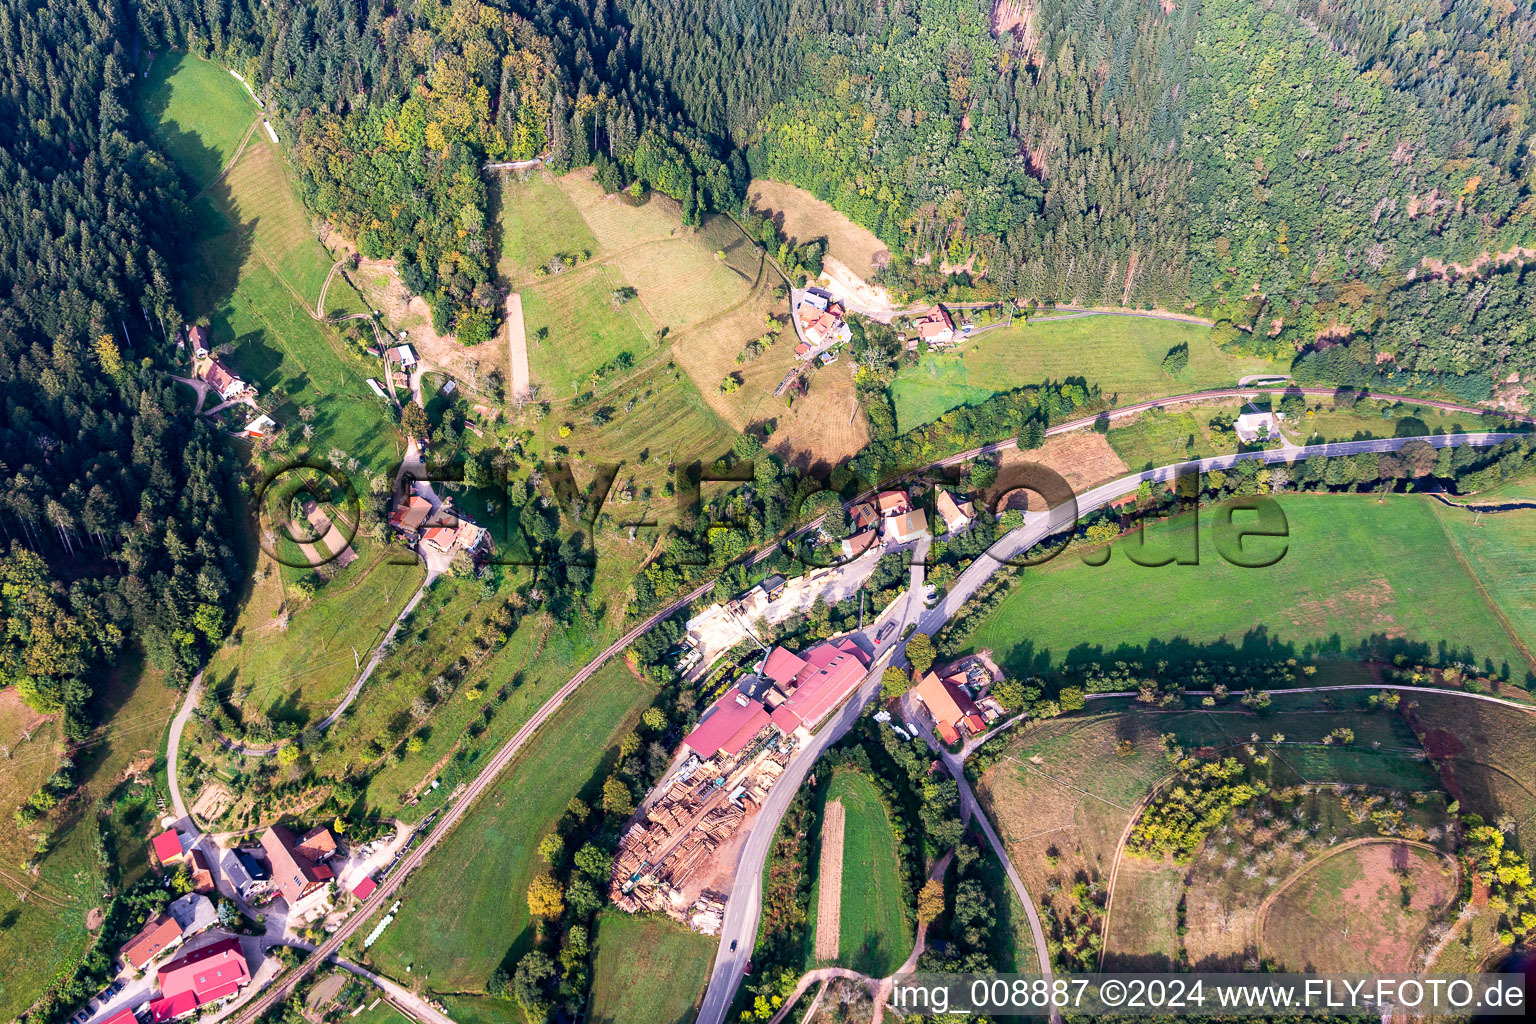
[1285,167]
[1345,181]
[114,512]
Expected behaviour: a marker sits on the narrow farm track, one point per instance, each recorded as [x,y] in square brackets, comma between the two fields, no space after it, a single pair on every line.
[1262,916]
[239,151]
[725,981]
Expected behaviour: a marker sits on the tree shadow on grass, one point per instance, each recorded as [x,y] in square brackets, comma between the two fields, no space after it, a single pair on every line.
[1256,645]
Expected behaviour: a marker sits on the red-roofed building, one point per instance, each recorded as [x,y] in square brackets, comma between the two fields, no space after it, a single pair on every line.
[949,705]
[863,516]
[732,723]
[216,971]
[171,1007]
[957,514]
[784,719]
[295,874]
[159,934]
[892,503]
[832,670]
[222,380]
[168,848]
[935,327]
[202,875]
[781,666]
[123,1016]
[410,514]
[362,890]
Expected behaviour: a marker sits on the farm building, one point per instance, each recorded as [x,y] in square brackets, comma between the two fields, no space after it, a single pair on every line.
[159,934]
[296,875]
[1256,426]
[223,380]
[863,516]
[261,426]
[950,706]
[856,544]
[957,515]
[409,515]
[202,874]
[906,527]
[198,335]
[207,975]
[167,847]
[935,327]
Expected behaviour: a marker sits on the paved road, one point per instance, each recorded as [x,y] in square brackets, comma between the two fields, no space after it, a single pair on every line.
[729,965]
[1121,412]
[742,913]
[970,810]
[738,932]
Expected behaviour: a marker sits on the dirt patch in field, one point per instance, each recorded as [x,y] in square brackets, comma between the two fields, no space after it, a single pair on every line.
[829,899]
[803,217]
[17,720]
[211,803]
[1083,458]
[845,282]
[93,918]
[826,425]
[1369,603]
[1440,743]
[1363,909]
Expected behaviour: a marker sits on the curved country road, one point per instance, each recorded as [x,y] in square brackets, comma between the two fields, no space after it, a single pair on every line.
[730,966]
[724,982]
[456,810]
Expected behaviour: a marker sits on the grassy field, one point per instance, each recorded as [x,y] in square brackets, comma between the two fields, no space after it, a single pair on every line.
[538,223]
[1361,909]
[198,113]
[44,916]
[1063,795]
[679,281]
[297,671]
[465,911]
[874,934]
[647,969]
[256,268]
[1499,550]
[1123,355]
[1374,596]
[581,328]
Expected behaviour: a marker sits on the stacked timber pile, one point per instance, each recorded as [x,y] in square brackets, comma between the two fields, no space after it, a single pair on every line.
[707,913]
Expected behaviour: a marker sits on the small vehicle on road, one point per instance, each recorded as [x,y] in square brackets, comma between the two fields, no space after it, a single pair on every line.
[733,945]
